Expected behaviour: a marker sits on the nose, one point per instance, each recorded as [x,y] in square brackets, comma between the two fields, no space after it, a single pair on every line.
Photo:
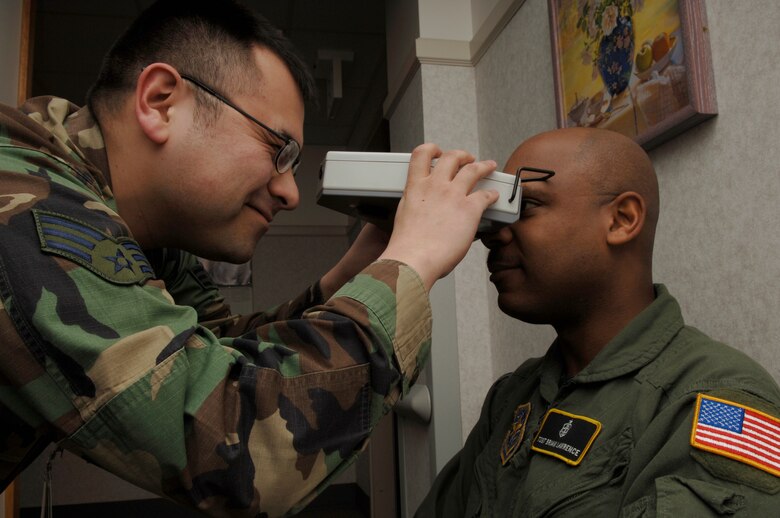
[284,189]
[497,238]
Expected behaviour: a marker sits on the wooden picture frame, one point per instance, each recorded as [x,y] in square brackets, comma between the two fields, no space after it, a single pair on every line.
[10,499]
[650,99]
[24,90]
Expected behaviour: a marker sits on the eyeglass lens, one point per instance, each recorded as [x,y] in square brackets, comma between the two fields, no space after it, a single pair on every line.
[287,157]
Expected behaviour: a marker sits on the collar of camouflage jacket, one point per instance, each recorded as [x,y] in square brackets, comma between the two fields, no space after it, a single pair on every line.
[73,134]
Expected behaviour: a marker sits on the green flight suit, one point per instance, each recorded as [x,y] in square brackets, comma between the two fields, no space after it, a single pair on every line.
[642,389]
[129,358]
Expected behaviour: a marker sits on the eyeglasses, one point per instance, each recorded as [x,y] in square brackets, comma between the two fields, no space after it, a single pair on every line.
[289,155]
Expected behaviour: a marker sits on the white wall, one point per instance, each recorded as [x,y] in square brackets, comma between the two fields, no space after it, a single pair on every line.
[445,19]
[480,10]
[720,192]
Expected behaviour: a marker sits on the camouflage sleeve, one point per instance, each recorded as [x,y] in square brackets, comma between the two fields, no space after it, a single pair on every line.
[190,285]
[95,348]
[236,325]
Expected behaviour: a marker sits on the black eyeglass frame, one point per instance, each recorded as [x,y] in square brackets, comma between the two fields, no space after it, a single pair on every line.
[288,141]
[546,175]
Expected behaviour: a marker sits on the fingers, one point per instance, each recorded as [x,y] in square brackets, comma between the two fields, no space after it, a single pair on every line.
[450,162]
[484,197]
[420,163]
[471,173]
[447,163]
[437,198]
[456,167]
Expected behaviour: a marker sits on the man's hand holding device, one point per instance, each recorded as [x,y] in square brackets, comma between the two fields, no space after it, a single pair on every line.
[440,206]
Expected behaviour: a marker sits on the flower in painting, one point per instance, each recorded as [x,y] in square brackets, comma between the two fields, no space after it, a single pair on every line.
[609,19]
[599,18]
[582,3]
[593,27]
[587,57]
[623,41]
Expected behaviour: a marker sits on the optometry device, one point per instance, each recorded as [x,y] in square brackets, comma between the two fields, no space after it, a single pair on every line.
[370,185]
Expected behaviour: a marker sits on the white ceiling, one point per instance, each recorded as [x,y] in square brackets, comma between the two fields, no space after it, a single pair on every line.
[71,37]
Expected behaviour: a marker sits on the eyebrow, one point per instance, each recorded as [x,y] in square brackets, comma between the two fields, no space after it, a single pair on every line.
[536,190]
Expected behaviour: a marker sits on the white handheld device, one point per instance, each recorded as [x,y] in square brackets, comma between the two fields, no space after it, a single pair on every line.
[370,185]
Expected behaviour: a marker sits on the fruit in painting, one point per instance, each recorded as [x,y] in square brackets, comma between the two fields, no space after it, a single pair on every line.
[644,58]
[661,46]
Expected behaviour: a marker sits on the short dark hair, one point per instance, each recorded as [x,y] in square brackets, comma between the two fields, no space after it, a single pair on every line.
[211,40]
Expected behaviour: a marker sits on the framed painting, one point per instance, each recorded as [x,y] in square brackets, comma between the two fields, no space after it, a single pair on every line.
[642,68]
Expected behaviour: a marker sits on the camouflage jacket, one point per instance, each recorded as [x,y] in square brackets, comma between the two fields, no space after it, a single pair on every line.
[128,357]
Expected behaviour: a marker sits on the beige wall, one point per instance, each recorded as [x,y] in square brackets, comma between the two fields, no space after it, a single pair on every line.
[445,19]
[480,11]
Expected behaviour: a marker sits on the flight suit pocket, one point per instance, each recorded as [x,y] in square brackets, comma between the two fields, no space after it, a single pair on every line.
[591,489]
[679,497]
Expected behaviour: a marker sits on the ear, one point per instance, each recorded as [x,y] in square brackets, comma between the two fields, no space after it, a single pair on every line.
[627,215]
[158,88]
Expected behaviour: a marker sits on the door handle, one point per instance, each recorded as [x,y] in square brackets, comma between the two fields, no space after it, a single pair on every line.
[416,405]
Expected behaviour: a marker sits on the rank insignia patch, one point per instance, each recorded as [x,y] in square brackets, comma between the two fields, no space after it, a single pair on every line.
[514,437]
[118,260]
[738,432]
[566,436]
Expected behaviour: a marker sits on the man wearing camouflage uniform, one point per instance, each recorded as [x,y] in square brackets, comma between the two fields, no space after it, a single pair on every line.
[116,346]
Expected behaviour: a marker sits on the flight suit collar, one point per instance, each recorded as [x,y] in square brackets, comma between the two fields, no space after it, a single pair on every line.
[641,341]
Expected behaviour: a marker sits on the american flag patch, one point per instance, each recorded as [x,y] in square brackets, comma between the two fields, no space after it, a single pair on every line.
[737,432]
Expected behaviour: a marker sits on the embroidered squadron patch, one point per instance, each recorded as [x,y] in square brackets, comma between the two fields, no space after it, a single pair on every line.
[514,437]
[738,432]
[118,260]
[566,436]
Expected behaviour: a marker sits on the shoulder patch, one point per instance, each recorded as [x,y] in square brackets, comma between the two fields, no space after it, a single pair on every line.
[118,260]
[737,431]
[514,437]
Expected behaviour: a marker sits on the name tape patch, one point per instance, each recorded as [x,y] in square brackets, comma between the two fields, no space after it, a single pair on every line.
[566,436]
[738,432]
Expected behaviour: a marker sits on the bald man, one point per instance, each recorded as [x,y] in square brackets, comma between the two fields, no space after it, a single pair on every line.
[630,412]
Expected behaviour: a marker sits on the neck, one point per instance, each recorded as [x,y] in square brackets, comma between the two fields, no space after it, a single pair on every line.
[126,183]
[580,342]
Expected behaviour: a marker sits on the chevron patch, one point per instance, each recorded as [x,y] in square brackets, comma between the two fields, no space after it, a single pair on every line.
[118,260]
